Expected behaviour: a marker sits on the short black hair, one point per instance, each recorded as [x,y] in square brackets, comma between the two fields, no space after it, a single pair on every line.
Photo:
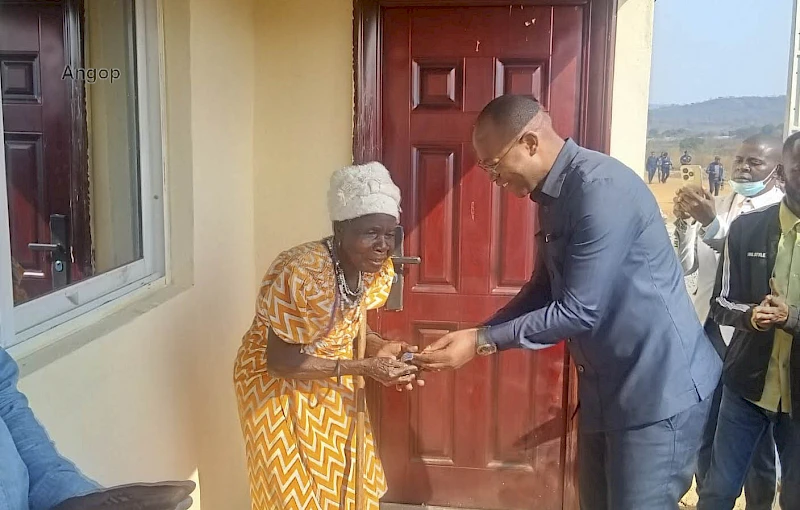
[510,113]
[791,142]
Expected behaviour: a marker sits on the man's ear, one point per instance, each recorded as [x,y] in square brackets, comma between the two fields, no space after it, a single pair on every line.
[780,173]
[531,140]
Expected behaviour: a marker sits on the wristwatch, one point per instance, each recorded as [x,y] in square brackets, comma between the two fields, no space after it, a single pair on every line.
[483,345]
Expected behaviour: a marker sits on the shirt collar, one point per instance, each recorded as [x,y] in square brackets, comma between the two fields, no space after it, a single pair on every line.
[772,196]
[789,220]
[551,186]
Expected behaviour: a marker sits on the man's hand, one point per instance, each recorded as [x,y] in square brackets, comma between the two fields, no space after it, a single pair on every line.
[139,496]
[697,203]
[677,209]
[773,310]
[452,351]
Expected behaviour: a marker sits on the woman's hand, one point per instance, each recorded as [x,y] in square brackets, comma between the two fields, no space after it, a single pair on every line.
[394,350]
[388,371]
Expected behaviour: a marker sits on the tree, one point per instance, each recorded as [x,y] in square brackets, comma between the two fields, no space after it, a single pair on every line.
[652,133]
[692,143]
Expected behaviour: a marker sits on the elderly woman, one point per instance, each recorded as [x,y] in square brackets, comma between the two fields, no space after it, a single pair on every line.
[294,372]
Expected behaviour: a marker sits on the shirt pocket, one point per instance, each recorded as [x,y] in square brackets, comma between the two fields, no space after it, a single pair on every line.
[554,245]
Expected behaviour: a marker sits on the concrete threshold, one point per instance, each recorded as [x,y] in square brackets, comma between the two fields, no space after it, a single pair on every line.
[400,506]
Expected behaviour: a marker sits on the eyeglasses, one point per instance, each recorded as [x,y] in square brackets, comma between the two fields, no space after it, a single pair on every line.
[491,168]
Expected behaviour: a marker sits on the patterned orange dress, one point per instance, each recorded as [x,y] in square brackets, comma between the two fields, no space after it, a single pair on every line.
[300,435]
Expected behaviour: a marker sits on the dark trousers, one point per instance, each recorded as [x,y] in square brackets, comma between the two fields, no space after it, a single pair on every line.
[651,172]
[713,187]
[761,481]
[664,174]
[648,467]
[740,427]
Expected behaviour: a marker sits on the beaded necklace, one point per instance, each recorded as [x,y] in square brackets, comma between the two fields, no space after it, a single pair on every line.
[349,297]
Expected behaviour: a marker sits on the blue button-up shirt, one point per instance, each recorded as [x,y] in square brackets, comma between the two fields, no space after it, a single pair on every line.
[610,282]
[33,476]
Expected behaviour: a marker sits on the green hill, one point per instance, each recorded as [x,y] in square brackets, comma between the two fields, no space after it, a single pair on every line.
[723,116]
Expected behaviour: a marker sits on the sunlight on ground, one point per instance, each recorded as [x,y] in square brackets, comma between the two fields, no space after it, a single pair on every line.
[666,191]
[689,502]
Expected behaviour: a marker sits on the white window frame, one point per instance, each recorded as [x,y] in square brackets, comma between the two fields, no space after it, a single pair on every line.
[20,323]
[792,123]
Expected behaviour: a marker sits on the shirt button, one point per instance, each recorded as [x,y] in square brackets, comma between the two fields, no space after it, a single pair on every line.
[581,369]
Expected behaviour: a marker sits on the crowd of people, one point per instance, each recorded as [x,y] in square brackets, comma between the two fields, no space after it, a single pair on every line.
[661,166]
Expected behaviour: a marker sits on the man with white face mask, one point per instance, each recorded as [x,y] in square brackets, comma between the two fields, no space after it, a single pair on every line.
[700,233]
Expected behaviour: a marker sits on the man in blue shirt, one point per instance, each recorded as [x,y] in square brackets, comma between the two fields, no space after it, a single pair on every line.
[33,476]
[609,283]
[716,172]
[652,167]
[666,166]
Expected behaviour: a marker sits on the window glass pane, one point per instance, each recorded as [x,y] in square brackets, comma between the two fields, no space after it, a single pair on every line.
[70,141]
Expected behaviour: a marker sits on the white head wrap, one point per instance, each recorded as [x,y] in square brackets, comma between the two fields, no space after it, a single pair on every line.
[360,190]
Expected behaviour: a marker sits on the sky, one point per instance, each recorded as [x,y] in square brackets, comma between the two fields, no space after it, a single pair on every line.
[704,49]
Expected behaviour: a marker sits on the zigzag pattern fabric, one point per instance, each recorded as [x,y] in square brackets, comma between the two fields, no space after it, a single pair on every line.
[300,435]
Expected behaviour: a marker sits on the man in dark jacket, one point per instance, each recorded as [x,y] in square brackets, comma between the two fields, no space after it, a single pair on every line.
[716,172]
[652,166]
[665,166]
[609,283]
[758,293]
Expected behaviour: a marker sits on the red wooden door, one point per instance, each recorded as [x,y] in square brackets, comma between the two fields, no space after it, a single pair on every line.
[494,434]
[43,175]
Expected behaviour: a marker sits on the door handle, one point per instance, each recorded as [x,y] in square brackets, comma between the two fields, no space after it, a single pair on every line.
[394,302]
[59,250]
[399,261]
[45,247]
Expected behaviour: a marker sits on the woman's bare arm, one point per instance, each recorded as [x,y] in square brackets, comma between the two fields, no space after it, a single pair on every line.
[285,360]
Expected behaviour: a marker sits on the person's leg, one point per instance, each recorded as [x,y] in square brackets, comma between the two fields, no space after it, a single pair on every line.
[787,437]
[592,485]
[652,466]
[704,454]
[740,425]
[761,482]
[716,188]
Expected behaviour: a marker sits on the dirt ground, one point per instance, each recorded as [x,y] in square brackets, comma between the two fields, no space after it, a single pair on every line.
[666,191]
[689,502]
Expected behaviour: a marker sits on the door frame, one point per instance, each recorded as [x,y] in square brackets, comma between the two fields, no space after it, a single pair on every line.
[596,75]
[594,129]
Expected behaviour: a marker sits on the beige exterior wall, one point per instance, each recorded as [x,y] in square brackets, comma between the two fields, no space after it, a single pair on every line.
[153,398]
[633,54]
[304,117]
[259,114]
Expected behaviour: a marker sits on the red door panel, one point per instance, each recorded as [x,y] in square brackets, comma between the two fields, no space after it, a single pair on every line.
[493,434]
[38,139]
